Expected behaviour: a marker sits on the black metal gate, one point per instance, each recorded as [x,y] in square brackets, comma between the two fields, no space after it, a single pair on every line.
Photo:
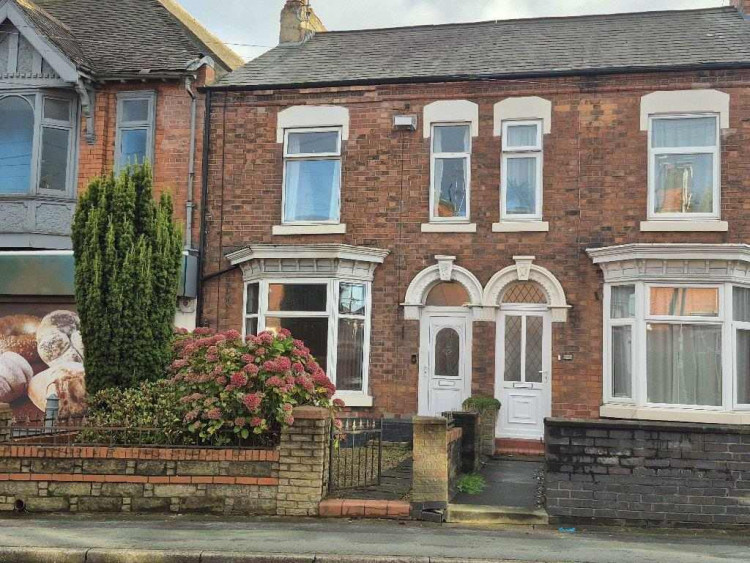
[356,454]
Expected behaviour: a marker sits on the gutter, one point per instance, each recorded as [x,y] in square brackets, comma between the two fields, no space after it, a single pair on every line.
[477,77]
[204,205]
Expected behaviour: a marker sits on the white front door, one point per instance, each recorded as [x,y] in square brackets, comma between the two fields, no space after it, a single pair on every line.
[445,351]
[522,380]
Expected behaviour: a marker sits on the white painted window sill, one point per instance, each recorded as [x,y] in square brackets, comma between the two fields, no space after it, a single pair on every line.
[449,227]
[631,412]
[290,230]
[355,399]
[684,226]
[520,227]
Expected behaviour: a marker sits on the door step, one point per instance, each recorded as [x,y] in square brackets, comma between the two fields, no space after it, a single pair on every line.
[505,515]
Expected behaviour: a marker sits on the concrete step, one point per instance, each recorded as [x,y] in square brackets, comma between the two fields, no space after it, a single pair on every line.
[505,515]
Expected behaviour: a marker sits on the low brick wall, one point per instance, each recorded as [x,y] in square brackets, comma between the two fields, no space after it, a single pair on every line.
[288,480]
[678,474]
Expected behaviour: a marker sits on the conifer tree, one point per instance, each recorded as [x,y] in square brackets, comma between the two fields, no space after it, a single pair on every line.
[127,262]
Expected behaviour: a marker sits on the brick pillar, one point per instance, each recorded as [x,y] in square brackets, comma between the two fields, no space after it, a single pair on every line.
[303,462]
[430,475]
[6,415]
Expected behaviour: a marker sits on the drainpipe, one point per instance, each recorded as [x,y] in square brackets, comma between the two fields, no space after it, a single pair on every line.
[189,204]
[204,205]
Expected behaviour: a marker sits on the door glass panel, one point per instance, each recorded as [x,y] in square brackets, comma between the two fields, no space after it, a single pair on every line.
[447,353]
[534,347]
[513,348]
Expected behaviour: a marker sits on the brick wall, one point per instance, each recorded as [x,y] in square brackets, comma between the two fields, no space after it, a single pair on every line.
[171,142]
[289,480]
[595,193]
[648,472]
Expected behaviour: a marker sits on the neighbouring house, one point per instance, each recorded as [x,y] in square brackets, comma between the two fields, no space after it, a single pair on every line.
[87,87]
[551,211]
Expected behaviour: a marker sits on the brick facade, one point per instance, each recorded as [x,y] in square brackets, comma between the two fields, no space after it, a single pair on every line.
[648,473]
[595,194]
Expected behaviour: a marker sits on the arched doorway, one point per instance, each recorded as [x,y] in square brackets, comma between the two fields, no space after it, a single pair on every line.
[528,299]
[443,298]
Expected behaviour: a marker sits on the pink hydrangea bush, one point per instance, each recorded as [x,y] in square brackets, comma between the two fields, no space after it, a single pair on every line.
[236,388]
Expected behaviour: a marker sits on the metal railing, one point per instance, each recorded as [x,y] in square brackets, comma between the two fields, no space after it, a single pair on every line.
[78,432]
[356,454]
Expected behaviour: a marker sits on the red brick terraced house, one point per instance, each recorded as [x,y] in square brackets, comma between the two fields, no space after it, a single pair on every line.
[549,211]
[87,86]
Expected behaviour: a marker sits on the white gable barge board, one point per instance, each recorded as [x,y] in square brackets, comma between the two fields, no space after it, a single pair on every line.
[59,62]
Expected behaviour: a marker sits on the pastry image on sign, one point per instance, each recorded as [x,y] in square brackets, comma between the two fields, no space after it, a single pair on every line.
[41,354]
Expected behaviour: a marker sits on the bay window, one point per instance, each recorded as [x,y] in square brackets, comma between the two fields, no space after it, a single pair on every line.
[331,316]
[37,144]
[678,345]
[450,172]
[521,178]
[684,167]
[312,175]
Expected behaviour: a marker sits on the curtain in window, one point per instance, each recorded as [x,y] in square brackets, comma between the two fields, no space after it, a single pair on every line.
[686,132]
[520,198]
[622,361]
[684,364]
[450,185]
[350,362]
[16,144]
[521,136]
[312,190]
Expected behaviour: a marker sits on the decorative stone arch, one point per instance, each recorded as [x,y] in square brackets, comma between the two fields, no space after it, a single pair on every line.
[526,270]
[443,271]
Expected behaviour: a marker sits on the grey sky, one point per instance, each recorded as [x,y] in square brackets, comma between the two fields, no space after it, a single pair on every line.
[252,26]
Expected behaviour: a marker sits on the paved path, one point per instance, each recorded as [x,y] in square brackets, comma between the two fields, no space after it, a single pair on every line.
[361,538]
[509,482]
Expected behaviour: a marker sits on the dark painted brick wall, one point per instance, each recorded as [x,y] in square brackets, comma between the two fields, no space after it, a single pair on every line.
[648,472]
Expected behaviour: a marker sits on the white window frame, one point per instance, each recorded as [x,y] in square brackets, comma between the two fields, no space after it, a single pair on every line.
[36,99]
[639,384]
[338,155]
[654,152]
[535,151]
[333,286]
[149,125]
[445,155]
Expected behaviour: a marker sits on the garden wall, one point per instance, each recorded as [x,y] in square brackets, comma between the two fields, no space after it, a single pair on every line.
[288,480]
[681,474]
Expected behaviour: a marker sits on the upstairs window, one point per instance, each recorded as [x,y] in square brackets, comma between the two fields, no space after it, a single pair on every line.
[521,178]
[684,171]
[37,144]
[312,176]
[136,117]
[450,172]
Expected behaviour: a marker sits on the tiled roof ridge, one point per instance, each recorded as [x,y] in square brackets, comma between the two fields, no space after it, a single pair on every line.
[520,20]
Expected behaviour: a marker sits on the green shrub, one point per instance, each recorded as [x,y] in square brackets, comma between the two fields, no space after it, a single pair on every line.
[471,484]
[236,388]
[155,405]
[481,404]
[128,253]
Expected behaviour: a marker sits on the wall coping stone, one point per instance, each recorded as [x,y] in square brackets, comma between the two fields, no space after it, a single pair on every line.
[619,424]
[310,413]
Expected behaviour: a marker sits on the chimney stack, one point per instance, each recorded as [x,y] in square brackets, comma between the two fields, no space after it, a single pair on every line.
[299,22]
[743,6]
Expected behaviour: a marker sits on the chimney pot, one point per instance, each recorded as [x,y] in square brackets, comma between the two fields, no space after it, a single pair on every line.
[299,22]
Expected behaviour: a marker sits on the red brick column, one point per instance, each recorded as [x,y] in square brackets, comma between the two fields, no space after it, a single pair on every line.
[303,462]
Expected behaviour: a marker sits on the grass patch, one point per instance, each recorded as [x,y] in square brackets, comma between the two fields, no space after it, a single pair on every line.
[471,484]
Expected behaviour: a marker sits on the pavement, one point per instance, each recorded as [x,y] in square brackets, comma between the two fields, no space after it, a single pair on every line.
[191,539]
